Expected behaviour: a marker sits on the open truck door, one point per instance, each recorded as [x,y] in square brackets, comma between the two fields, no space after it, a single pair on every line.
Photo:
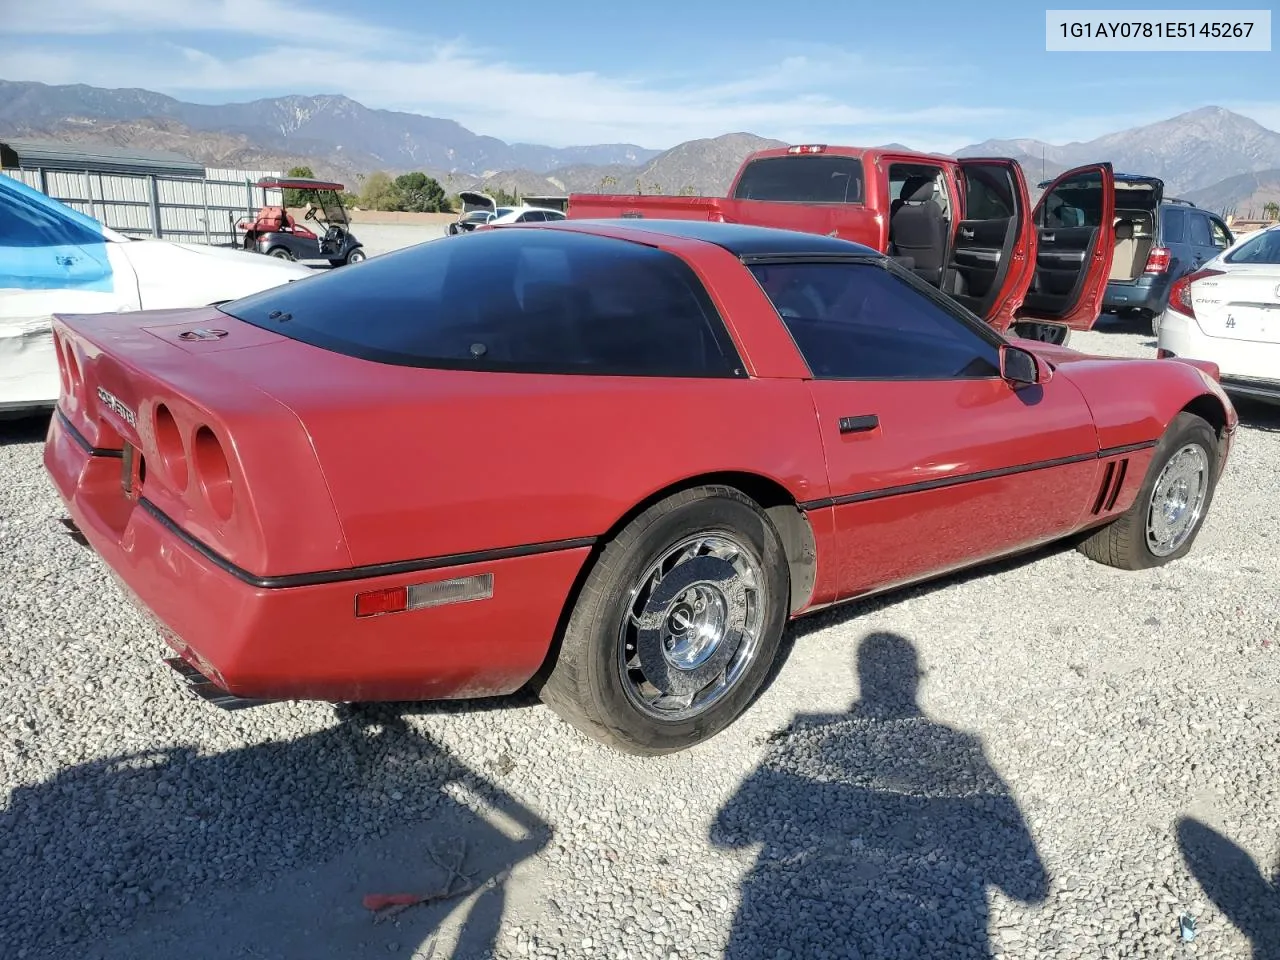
[993,253]
[1075,242]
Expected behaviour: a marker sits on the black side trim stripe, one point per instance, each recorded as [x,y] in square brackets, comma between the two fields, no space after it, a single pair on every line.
[366,572]
[83,441]
[970,477]
[1127,448]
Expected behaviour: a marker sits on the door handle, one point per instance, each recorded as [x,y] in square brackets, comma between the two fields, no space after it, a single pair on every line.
[1048,237]
[860,424]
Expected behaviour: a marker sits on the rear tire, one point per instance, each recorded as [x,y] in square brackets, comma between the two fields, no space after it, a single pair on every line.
[1162,523]
[280,253]
[651,663]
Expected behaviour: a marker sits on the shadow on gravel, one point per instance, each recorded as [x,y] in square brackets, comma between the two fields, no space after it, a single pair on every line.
[1231,879]
[881,830]
[1256,415]
[264,852]
[23,429]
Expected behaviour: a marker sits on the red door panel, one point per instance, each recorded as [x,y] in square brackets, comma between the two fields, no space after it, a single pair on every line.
[995,185]
[953,472]
[1074,220]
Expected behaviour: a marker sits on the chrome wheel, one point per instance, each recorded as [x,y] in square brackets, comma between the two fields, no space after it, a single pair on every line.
[1177,499]
[691,626]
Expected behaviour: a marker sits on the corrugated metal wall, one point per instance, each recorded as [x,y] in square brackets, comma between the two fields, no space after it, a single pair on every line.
[188,210]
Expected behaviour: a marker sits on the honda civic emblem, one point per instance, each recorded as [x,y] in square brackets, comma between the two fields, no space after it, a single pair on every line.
[202,333]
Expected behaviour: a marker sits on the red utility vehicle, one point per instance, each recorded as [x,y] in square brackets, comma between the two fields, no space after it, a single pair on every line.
[613,459]
[965,226]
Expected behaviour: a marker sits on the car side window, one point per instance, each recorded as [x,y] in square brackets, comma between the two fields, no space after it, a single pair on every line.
[860,321]
[1175,225]
[1200,230]
[1221,235]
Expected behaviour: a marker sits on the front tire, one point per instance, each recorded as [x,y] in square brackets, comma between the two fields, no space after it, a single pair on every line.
[280,253]
[356,255]
[676,626]
[1162,523]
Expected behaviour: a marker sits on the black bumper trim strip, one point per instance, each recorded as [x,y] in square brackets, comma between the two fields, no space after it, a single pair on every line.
[83,441]
[954,481]
[367,572]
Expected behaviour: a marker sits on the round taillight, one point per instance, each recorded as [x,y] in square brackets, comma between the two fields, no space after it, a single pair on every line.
[64,374]
[213,471]
[74,376]
[173,457]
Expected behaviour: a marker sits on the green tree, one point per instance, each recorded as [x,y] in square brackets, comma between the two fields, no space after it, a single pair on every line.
[299,198]
[501,197]
[421,194]
[608,181]
[380,193]
[1271,210]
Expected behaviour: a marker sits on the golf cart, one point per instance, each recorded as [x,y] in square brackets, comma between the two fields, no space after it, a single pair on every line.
[276,233]
[477,208]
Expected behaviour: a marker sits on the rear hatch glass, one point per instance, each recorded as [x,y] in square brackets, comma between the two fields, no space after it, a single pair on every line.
[517,299]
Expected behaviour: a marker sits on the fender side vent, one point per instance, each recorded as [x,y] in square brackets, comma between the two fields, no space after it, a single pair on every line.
[1121,470]
[1107,476]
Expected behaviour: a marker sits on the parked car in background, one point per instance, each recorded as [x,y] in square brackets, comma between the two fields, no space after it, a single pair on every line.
[1228,312]
[525,214]
[965,226]
[1158,240]
[54,259]
[778,421]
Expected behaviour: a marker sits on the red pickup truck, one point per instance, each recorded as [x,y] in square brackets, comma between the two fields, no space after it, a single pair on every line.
[966,226]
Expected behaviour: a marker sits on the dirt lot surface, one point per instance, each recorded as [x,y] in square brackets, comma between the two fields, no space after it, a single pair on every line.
[1049,758]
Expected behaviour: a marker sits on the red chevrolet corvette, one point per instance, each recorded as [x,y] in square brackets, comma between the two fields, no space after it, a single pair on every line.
[608,458]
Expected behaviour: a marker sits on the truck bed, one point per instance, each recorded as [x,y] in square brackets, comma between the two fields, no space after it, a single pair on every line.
[844,220]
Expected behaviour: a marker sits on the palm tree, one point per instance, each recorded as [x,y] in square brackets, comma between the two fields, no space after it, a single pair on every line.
[1271,210]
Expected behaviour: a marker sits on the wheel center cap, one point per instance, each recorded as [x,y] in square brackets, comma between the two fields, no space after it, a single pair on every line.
[695,626]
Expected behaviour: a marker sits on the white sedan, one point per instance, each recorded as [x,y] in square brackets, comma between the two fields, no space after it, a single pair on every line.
[54,259]
[525,214]
[1229,312]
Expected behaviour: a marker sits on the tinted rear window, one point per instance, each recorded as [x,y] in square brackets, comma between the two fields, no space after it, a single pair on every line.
[523,300]
[802,179]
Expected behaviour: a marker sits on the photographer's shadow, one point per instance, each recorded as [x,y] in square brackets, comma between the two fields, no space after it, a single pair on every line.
[1231,878]
[881,830]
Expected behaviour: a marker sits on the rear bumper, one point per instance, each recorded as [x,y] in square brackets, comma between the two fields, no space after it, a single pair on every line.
[305,642]
[1248,368]
[1148,292]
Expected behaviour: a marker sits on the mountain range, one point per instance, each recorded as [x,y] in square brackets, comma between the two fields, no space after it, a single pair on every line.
[1210,155]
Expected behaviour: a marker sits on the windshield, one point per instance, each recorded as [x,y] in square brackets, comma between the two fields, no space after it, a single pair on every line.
[802,179]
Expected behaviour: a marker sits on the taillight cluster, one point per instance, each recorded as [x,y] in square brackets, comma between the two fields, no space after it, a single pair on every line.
[69,369]
[1180,292]
[1158,260]
[205,462]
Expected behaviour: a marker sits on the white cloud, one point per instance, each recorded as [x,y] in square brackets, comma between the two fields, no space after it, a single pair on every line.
[159,46]
[506,100]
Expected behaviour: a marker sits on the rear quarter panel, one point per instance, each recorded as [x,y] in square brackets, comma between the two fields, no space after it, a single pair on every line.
[433,462]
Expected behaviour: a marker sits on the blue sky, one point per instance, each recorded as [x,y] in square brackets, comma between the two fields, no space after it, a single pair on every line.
[658,73]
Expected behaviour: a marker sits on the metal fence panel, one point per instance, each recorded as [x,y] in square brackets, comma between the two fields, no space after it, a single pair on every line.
[175,208]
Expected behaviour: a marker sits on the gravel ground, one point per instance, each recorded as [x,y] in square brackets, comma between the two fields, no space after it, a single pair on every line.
[1050,758]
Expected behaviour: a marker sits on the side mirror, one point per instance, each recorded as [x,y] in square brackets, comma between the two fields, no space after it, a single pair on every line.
[1018,367]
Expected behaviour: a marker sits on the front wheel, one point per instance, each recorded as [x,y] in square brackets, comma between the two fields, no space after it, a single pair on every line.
[1165,517]
[676,626]
[355,256]
[280,253]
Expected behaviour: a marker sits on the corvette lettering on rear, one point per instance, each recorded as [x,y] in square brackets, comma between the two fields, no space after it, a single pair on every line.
[117,405]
